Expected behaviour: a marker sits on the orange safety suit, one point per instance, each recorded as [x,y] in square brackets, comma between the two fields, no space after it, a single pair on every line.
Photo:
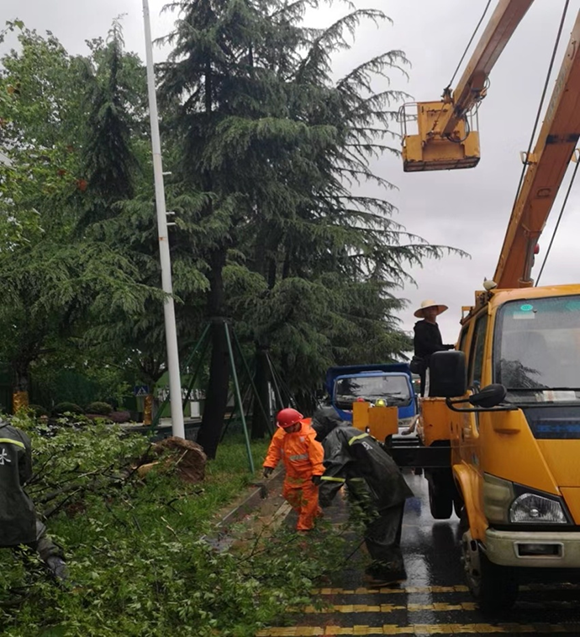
[302,456]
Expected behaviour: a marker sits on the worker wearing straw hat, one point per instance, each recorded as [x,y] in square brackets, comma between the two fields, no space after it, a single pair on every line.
[427,339]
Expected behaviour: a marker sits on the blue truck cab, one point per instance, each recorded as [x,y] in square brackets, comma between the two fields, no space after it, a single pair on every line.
[391,382]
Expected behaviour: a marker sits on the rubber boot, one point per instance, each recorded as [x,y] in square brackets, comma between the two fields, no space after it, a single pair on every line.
[57,567]
[383,574]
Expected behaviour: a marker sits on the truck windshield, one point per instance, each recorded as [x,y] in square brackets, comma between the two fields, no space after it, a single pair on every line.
[537,349]
[392,388]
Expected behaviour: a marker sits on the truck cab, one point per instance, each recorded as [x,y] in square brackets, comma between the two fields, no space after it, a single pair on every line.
[511,406]
[391,383]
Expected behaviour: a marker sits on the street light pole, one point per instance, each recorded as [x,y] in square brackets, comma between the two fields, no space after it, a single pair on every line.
[164,255]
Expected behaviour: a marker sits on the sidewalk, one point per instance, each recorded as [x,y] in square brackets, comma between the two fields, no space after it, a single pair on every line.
[163,428]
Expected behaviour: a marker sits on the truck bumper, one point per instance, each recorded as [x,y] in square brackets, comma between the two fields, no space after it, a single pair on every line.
[533,549]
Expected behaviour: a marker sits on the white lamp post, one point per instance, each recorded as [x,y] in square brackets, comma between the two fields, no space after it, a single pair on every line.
[164,255]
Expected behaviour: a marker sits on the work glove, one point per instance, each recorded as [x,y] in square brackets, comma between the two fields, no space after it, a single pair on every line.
[316,480]
[267,472]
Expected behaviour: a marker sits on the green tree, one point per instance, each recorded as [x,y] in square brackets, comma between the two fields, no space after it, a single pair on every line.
[271,150]
[40,115]
[212,83]
[51,278]
[115,127]
[329,256]
[115,166]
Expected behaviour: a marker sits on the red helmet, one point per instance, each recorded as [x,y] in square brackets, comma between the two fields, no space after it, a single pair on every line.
[288,417]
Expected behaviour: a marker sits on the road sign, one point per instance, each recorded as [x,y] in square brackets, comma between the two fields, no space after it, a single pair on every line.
[141,390]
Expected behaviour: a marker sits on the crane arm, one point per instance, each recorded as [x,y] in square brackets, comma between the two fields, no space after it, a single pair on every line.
[445,139]
[471,88]
[546,169]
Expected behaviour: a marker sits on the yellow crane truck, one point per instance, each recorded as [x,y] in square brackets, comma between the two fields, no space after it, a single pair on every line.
[505,404]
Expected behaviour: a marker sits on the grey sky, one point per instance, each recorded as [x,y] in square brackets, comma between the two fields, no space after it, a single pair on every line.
[467,209]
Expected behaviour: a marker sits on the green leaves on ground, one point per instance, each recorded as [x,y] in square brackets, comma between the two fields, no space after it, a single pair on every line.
[138,563]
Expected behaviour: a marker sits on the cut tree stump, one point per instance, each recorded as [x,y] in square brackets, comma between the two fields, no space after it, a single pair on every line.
[187,458]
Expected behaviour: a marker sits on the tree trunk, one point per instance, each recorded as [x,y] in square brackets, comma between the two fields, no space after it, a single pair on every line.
[217,391]
[266,266]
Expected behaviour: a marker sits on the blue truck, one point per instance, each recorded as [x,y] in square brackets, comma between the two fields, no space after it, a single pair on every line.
[391,382]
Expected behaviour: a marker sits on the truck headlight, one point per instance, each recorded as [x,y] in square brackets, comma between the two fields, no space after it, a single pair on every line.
[498,494]
[531,508]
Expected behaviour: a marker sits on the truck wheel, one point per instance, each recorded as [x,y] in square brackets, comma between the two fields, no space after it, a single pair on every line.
[440,502]
[494,587]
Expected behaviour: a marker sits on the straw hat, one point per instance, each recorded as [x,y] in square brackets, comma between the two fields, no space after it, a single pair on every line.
[430,303]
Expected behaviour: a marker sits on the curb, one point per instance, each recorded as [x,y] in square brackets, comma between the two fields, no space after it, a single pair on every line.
[253,500]
[222,539]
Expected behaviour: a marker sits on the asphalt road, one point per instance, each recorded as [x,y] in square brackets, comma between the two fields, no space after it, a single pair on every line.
[434,599]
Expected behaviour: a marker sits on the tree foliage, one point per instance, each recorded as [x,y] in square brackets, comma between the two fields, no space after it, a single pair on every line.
[282,153]
[140,554]
[283,229]
[53,281]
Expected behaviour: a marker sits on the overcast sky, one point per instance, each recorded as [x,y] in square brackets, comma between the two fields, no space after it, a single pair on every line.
[468,209]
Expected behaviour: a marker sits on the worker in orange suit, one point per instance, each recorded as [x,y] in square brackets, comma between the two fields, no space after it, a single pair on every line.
[295,444]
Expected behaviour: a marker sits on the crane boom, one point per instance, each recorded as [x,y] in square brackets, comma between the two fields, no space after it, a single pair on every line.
[444,140]
[471,88]
[546,169]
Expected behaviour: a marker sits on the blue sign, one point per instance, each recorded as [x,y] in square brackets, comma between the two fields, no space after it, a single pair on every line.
[141,390]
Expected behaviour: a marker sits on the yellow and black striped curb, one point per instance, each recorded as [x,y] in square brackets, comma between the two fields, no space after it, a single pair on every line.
[410,590]
[388,591]
[351,609]
[422,629]
[385,608]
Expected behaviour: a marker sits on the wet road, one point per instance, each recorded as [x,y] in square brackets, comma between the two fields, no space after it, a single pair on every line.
[434,599]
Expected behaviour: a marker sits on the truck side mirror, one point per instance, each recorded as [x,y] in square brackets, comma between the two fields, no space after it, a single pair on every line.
[447,374]
[489,396]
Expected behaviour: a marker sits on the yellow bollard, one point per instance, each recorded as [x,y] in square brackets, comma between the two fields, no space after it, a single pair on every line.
[19,400]
[148,409]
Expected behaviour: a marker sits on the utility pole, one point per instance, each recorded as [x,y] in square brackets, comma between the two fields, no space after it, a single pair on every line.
[164,255]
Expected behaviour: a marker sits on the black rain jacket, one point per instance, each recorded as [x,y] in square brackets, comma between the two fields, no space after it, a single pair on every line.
[428,340]
[324,420]
[372,477]
[17,515]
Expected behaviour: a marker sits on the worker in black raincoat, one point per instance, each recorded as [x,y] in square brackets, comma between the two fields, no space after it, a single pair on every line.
[18,522]
[427,340]
[375,486]
[325,419]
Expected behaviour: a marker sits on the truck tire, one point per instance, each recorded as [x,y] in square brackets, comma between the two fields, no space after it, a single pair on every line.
[494,587]
[440,502]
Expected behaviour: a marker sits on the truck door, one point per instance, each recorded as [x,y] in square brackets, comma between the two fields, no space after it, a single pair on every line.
[469,434]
